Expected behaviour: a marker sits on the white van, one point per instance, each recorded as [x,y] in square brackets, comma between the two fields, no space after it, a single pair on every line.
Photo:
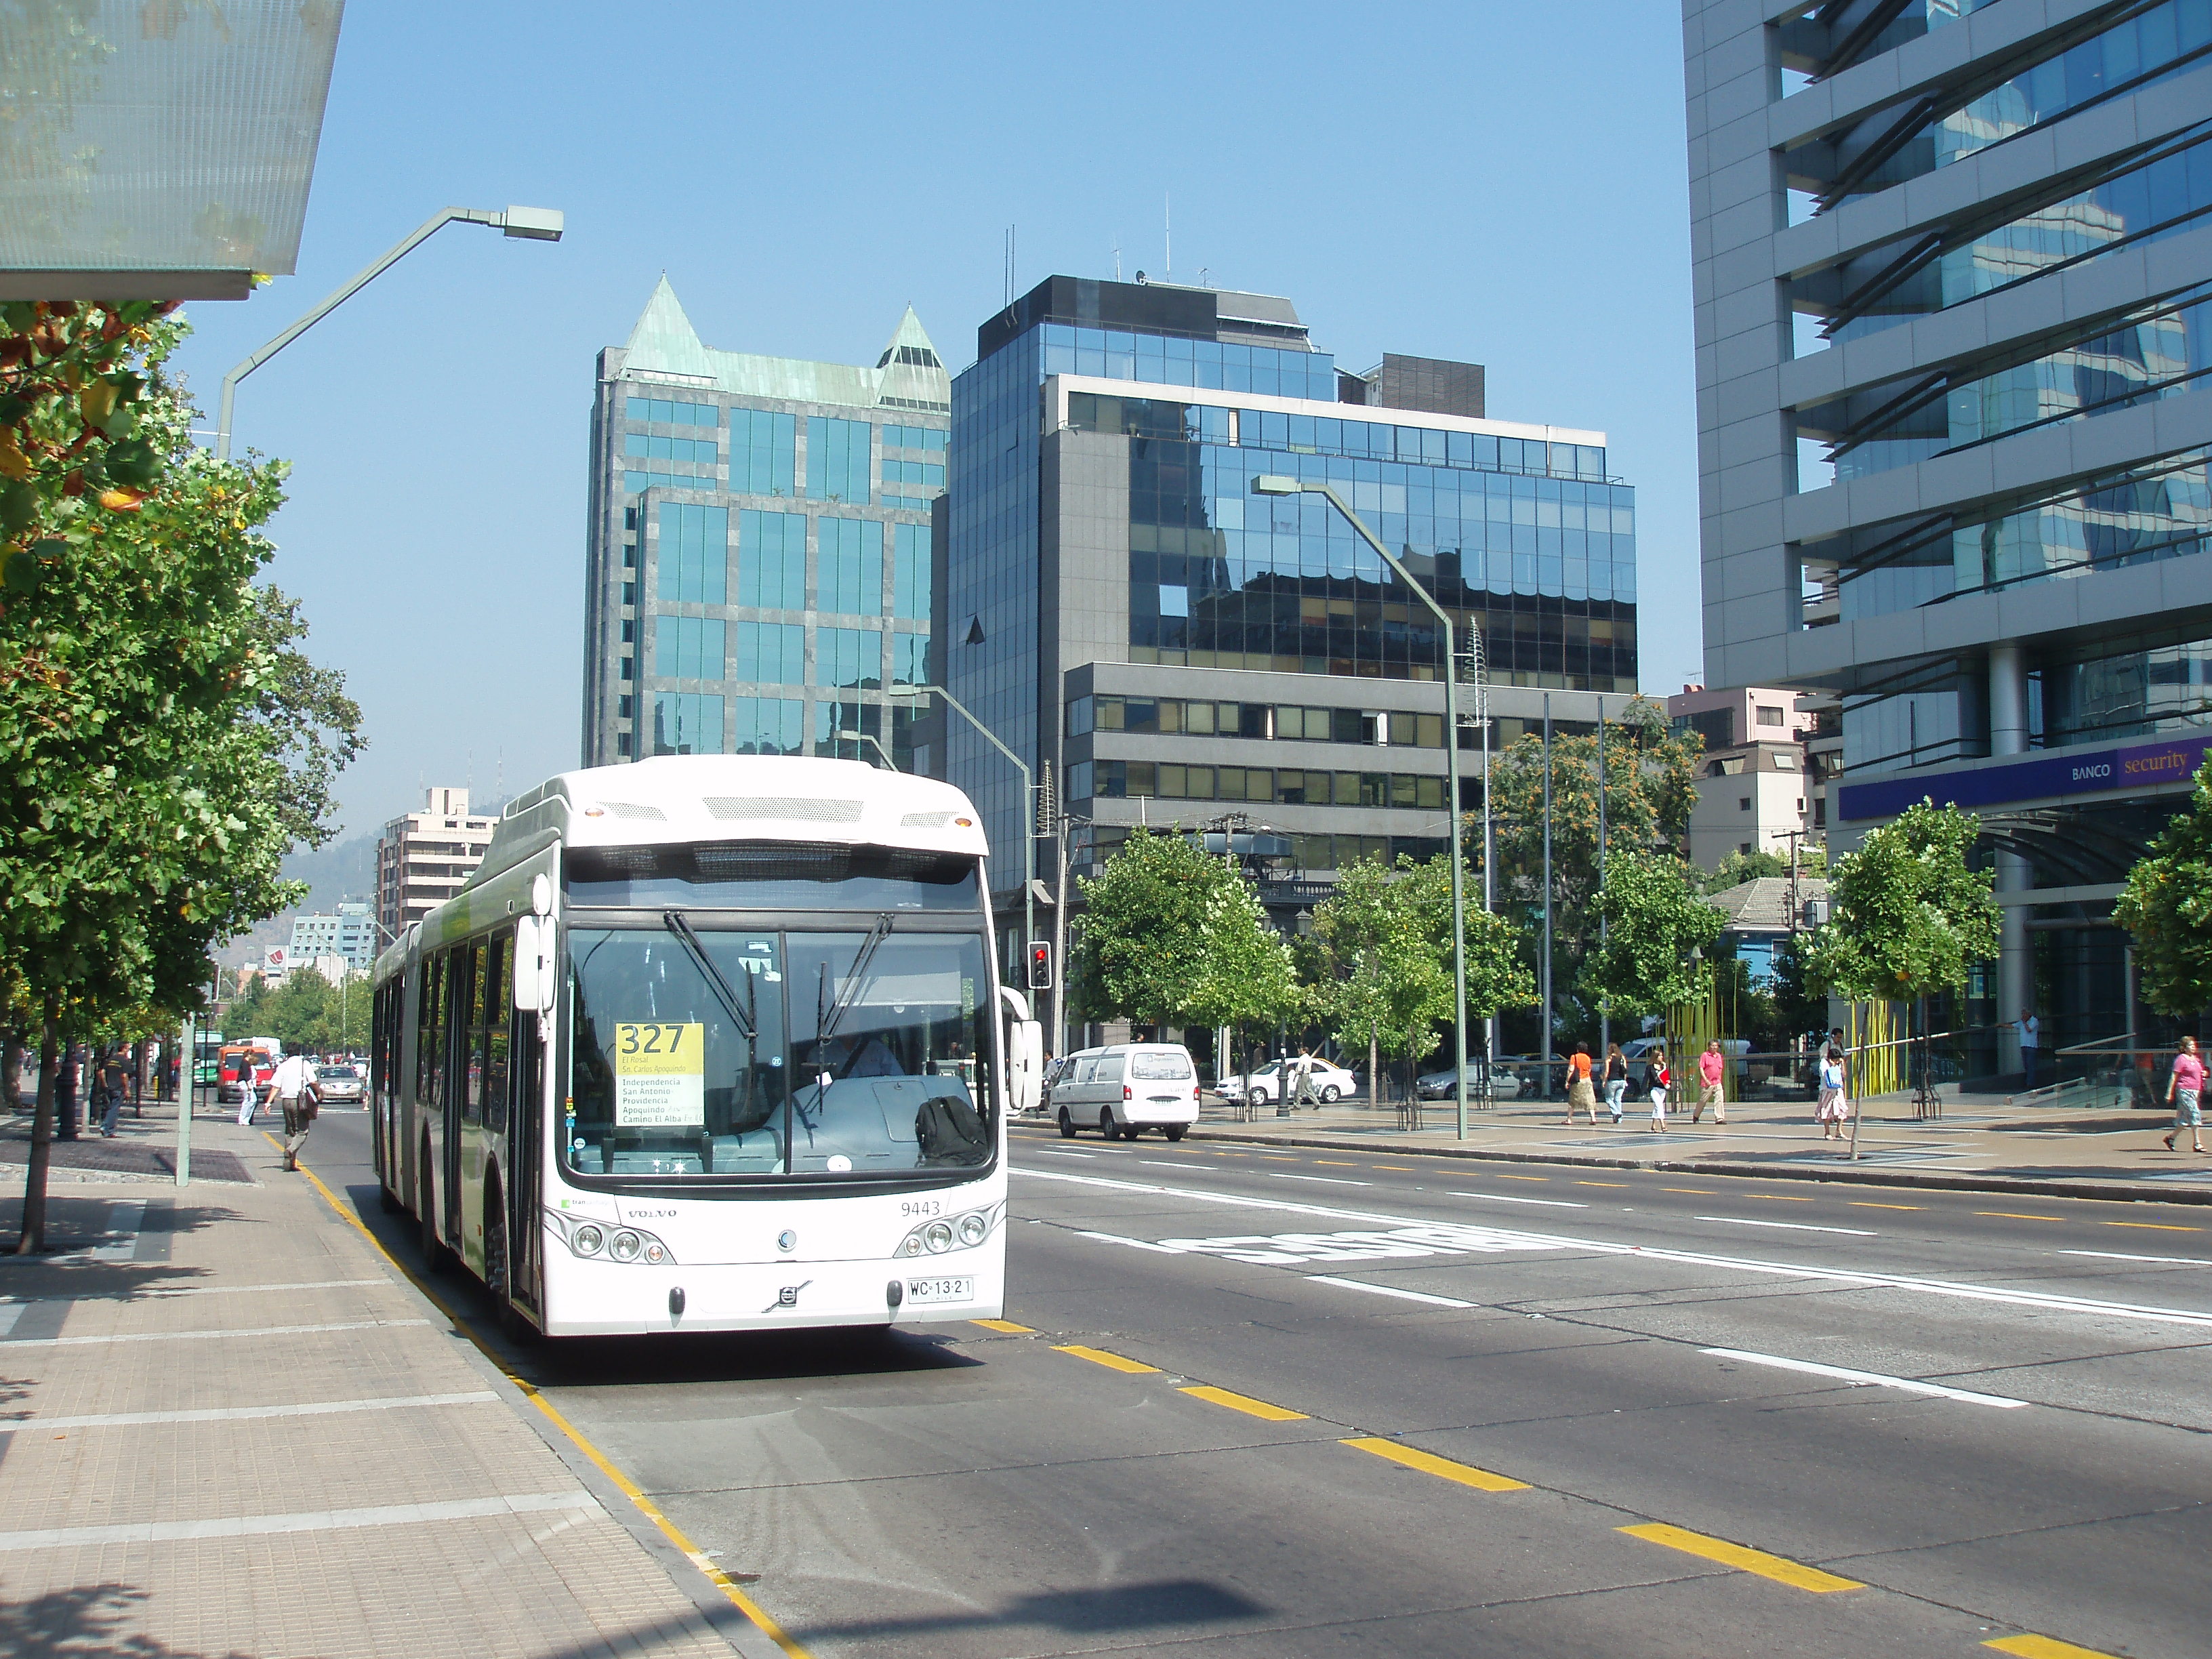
[1127,1088]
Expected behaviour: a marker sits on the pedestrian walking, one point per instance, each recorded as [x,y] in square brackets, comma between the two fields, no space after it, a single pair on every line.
[1712,1069]
[1616,1080]
[1580,1090]
[1302,1090]
[249,1087]
[1656,1078]
[1833,1107]
[2184,1090]
[2031,1034]
[294,1087]
[111,1083]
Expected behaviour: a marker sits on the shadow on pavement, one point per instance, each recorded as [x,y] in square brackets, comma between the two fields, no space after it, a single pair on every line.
[81,1622]
[1100,1611]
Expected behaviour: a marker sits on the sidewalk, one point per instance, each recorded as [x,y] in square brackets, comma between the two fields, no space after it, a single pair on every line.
[228,1426]
[1982,1143]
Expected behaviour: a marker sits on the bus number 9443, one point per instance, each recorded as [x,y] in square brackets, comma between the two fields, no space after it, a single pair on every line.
[914,1207]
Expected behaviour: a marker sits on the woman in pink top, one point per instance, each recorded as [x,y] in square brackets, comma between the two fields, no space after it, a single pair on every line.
[2185,1090]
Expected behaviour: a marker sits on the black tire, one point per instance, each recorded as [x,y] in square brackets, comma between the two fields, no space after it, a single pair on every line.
[1067,1125]
[1172,1131]
[1330,1094]
[1106,1123]
[434,1247]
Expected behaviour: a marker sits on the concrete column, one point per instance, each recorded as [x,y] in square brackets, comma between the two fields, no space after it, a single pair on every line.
[2009,736]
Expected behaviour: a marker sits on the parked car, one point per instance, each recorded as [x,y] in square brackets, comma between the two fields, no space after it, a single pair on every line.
[336,1083]
[1127,1088]
[1437,1086]
[1331,1083]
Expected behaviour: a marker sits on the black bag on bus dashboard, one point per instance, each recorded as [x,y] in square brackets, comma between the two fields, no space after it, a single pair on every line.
[950,1131]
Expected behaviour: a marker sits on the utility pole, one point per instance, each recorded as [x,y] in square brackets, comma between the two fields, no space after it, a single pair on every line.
[1547,892]
[1604,1018]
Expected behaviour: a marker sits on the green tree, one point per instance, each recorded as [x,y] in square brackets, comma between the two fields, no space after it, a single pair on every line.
[1652,922]
[2166,905]
[166,741]
[1907,918]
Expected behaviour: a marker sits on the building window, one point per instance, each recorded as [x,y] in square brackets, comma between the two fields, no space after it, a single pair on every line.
[645,446]
[849,578]
[687,647]
[1744,847]
[762,448]
[663,412]
[837,460]
[849,656]
[625,707]
[909,659]
[767,726]
[629,631]
[1769,715]
[628,668]
[695,554]
[910,571]
[686,723]
[913,437]
[771,560]
[771,653]
[1743,803]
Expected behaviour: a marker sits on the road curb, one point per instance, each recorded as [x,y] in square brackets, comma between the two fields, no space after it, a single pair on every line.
[1940,1180]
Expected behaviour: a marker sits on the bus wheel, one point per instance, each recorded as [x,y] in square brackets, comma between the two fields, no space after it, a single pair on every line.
[1067,1125]
[434,1247]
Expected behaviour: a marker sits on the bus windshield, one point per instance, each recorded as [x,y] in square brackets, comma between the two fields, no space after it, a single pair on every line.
[765,1054]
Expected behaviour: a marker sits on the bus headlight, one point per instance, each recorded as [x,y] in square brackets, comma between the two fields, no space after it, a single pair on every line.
[625,1246]
[587,1240]
[938,1237]
[972,1228]
[952,1232]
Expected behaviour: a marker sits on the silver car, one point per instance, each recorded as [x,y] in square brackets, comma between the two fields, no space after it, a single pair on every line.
[337,1084]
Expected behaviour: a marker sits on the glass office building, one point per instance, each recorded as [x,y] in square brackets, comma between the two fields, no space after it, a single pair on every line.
[1120,607]
[760,555]
[1954,270]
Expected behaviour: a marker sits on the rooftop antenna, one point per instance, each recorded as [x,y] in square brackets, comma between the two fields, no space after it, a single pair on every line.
[1117,256]
[1167,226]
[1010,264]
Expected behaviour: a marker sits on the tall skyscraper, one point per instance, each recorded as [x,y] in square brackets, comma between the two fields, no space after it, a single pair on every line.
[1953,280]
[759,557]
[1123,610]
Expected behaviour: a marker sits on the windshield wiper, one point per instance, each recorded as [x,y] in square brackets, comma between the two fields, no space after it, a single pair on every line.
[675,922]
[829,1022]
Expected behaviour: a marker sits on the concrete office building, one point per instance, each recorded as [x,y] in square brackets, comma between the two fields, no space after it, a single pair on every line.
[1754,780]
[1953,263]
[1122,611]
[759,557]
[350,935]
[422,858]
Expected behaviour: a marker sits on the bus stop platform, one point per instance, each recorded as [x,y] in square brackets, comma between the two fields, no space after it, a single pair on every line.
[231,1425]
[1980,1143]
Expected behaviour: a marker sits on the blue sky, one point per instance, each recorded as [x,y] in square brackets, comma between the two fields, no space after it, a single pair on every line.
[1499,183]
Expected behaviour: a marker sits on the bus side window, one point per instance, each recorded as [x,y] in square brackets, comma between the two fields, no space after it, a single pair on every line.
[460,1077]
[495,1013]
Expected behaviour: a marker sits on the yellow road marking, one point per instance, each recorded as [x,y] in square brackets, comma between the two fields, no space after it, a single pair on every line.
[1781,1569]
[1402,1168]
[1514,1177]
[2013,1215]
[1867,1204]
[1601,1183]
[1277,1157]
[1005,1325]
[1112,1362]
[1443,1468]
[1705,1192]
[1336,1163]
[1243,1403]
[628,1488]
[2154,1226]
[2044,1646]
[1781,1198]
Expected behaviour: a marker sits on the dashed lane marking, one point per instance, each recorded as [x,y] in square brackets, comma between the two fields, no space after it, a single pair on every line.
[1443,1468]
[2171,1261]
[1867,1379]
[2031,1646]
[1326,1181]
[1601,1183]
[1112,1362]
[1518,1177]
[1240,1402]
[1869,1204]
[1005,1325]
[2012,1215]
[1781,1198]
[1390,1290]
[1401,1169]
[2154,1226]
[1334,1164]
[1789,1226]
[1509,1198]
[1780,1569]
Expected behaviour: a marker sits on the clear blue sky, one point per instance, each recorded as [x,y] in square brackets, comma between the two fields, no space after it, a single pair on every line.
[1499,183]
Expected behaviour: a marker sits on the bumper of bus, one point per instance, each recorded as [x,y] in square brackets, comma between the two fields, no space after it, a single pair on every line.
[607,1298]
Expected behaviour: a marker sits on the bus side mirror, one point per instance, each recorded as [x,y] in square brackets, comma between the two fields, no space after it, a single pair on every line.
[533,965]
[1024,1066]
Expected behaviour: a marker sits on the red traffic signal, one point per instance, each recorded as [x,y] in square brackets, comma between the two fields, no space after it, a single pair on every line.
[1040,965]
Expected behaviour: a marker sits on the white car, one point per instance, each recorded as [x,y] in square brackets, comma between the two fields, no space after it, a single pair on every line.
[1331,1083]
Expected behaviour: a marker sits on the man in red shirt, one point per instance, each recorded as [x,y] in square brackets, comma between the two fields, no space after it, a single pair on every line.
[1710,1069]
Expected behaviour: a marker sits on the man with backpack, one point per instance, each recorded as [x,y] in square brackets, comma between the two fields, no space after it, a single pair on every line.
[295,1086]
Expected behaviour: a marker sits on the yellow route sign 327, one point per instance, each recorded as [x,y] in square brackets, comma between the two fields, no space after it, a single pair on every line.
[660,1076]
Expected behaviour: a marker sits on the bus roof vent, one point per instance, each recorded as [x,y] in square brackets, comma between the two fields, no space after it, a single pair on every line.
[788,807]
[631,809]
[925,820]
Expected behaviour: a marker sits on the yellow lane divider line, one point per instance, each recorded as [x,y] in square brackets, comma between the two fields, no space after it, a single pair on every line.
[1112,1362]
[1867,1204]
[1515,1177]
[1336,1163]
[1781,1198]
[1243,1402]
[2014,1215]
[1780,1569]
[1601,1183]
[1443,1468]
[1402,1168]
[2031,1646]
[1005,1325]
[628,1487]
[1703,1192]
[2156,1227]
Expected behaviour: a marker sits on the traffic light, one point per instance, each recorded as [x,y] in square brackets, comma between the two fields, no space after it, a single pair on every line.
[1040,965]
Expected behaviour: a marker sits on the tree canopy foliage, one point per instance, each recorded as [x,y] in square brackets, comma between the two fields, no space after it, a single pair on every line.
[166,739]
[2166,905]
[305,1012]
[1653,920]
[1907,918]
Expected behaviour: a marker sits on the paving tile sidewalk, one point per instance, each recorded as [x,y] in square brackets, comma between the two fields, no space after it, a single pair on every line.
[1983,1143]
[227,1426]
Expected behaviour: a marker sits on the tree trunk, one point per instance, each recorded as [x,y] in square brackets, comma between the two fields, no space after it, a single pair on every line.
[1373,1069]
[69,1101]
[33,1239]
[11,1071]
[138,1061]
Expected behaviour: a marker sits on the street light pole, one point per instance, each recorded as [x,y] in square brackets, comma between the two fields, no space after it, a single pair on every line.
[871,738]
[527,223]
[1029,798]
[1276,485]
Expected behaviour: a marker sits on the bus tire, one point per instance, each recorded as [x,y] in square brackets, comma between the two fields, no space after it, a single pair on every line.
[426,1211]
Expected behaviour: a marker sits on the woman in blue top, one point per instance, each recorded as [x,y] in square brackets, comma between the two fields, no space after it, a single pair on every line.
[1830,1112]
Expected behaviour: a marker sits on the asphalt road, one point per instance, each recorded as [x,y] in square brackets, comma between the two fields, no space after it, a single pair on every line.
[1262,1403]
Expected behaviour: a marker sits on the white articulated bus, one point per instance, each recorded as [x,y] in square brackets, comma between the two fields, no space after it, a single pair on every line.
[711,1043]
